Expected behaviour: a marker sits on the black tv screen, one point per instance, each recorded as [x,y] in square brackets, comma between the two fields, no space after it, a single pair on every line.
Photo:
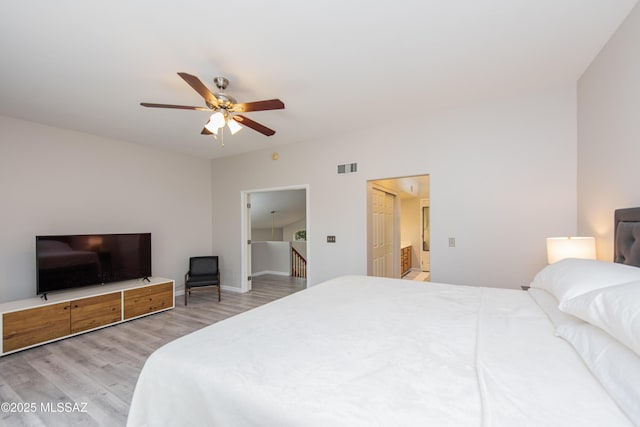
[65,262]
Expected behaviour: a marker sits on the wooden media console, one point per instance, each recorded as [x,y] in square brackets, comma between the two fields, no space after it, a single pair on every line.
[35,321]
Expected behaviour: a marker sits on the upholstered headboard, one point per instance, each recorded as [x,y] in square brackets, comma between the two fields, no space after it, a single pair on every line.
[627,236]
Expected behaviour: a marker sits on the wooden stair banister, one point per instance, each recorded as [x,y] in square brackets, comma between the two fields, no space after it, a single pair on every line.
[298,264]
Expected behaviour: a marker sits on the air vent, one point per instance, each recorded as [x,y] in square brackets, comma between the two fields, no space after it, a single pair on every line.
[348,168]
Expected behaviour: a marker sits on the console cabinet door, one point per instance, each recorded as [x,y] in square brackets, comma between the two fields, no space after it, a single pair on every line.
[148,299]
[35,325]
[93,312]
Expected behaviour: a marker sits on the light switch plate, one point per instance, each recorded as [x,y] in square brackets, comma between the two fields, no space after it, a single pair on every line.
[331,239]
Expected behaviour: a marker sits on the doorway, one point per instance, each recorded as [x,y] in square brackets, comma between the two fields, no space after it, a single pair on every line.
[274,227]
[398,227]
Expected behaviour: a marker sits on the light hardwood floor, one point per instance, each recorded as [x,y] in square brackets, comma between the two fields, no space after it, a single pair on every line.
[418,275]
[88,380]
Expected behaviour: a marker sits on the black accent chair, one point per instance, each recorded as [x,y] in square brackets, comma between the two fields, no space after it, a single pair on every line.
[204,272]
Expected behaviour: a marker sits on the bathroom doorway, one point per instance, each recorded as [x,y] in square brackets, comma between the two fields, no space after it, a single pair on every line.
[398,227]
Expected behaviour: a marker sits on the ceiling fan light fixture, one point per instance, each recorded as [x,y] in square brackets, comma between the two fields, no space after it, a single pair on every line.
[211,128]
[234,126]
[216,120]
[223,108]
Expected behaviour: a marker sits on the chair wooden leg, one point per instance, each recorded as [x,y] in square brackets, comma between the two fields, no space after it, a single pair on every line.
[218,292]
[185,294]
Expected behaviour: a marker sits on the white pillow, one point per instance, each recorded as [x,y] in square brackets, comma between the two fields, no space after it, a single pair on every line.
[571,277]
[614,365]
[615,309]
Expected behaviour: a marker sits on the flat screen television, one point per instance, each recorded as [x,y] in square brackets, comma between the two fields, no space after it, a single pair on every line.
[65,262]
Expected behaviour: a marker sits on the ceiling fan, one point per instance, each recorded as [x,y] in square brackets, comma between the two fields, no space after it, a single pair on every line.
[224,108]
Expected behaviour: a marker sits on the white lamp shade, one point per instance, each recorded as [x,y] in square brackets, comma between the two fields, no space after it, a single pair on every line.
[211,128]
[570,247]
[217,120]
[234,126]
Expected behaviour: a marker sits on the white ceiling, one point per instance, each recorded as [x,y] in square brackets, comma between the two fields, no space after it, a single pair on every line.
[290,206]
[407,187]
[337,65]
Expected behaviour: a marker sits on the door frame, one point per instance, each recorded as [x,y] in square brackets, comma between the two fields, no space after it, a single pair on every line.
[245,232]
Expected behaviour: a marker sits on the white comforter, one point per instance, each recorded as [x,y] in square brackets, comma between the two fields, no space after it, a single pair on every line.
[363,351]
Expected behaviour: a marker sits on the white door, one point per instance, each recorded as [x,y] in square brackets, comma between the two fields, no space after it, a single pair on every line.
[248,242]
[382,221]
[245,235]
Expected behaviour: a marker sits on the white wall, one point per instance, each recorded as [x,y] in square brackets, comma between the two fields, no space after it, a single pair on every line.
[266,234]
[55,181]
[271,258]
[503,178]
[609,135]
[289,230]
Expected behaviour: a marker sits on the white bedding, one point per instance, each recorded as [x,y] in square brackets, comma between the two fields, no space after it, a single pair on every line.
[364,351]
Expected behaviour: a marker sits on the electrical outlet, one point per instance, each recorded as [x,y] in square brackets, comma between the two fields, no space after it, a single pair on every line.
[452,242]
[331,239]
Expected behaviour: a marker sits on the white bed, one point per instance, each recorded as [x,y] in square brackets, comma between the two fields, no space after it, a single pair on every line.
[364,351]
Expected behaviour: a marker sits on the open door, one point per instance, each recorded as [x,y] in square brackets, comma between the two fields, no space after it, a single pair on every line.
[246,242]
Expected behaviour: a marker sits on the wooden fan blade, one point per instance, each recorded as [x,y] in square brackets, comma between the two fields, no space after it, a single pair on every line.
[206,131]
[270,104]
[199,87]
[254,125]
[180,107]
